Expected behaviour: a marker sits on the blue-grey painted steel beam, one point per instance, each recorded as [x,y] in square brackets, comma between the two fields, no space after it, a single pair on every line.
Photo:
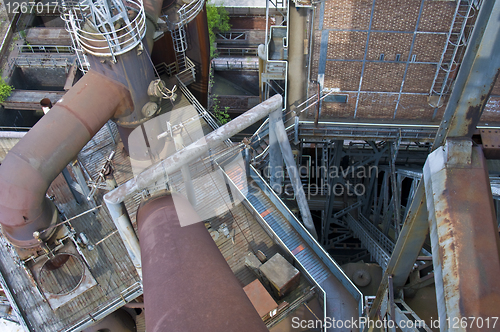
[332,183]
[69,181]
[279,128]
[80,178]
[275,157]
[296,132]
[407,248]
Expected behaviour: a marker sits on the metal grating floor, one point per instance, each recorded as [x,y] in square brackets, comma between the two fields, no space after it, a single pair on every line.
[340,303]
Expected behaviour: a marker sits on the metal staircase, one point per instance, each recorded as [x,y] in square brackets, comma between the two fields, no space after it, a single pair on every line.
[281,224]
[372,238]
[448,63]
[176,25]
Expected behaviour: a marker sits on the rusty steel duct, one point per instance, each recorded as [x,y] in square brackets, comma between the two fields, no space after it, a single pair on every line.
[108,90]
[188,285]
[33,163]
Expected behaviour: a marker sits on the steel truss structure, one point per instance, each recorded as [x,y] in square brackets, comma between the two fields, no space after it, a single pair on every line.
[400,205]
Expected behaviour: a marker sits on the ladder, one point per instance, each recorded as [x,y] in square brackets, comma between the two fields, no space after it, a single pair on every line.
[448,62]
[180,45]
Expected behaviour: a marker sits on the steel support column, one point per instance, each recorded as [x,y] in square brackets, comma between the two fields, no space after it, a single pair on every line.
[293,172]
[275,156]
[332,183]
[122,222]
[296,140]
[70,182]
[464,234]
[80,178]
[186,174]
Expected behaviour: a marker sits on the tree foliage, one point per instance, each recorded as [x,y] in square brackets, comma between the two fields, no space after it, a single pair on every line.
[218,21]
[5,90]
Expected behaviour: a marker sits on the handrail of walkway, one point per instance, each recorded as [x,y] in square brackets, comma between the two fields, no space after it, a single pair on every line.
[297,225]
[277,239]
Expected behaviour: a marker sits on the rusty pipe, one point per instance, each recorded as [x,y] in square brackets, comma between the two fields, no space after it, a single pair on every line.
[29,168]
[188,285]
[34,162]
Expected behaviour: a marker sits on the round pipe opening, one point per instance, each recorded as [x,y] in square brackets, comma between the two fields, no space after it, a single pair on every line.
[62,274]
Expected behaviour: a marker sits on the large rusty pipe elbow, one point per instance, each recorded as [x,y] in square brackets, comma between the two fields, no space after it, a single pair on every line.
[31,166]
[188,285]
[34,162]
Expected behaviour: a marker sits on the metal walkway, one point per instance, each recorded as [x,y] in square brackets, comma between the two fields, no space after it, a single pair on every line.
[342,300]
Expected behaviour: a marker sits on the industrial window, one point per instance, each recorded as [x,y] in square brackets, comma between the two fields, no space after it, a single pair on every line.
[336,99]
[413,58]
[382,57]
[398,57]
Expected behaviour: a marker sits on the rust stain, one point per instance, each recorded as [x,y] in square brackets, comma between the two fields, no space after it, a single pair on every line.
[474,112]
[468,242]
[297,250]
[265,213]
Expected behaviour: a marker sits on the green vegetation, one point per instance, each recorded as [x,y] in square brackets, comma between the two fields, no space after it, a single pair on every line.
[218,21]
[5,90]
[220,114]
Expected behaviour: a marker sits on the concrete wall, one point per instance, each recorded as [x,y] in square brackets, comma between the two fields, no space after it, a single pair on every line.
[39,78]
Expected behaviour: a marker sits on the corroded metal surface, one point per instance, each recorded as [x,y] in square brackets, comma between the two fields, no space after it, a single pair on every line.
[188,285]
[54,141]
[464,234]
[104,92]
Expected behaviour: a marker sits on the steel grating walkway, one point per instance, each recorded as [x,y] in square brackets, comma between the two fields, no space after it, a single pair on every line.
[342,299]
[277,222]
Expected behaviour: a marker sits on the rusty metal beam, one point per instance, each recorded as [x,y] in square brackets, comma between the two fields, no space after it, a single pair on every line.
[464,234]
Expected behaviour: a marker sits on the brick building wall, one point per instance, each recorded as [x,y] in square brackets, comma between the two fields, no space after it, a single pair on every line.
[411,36]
